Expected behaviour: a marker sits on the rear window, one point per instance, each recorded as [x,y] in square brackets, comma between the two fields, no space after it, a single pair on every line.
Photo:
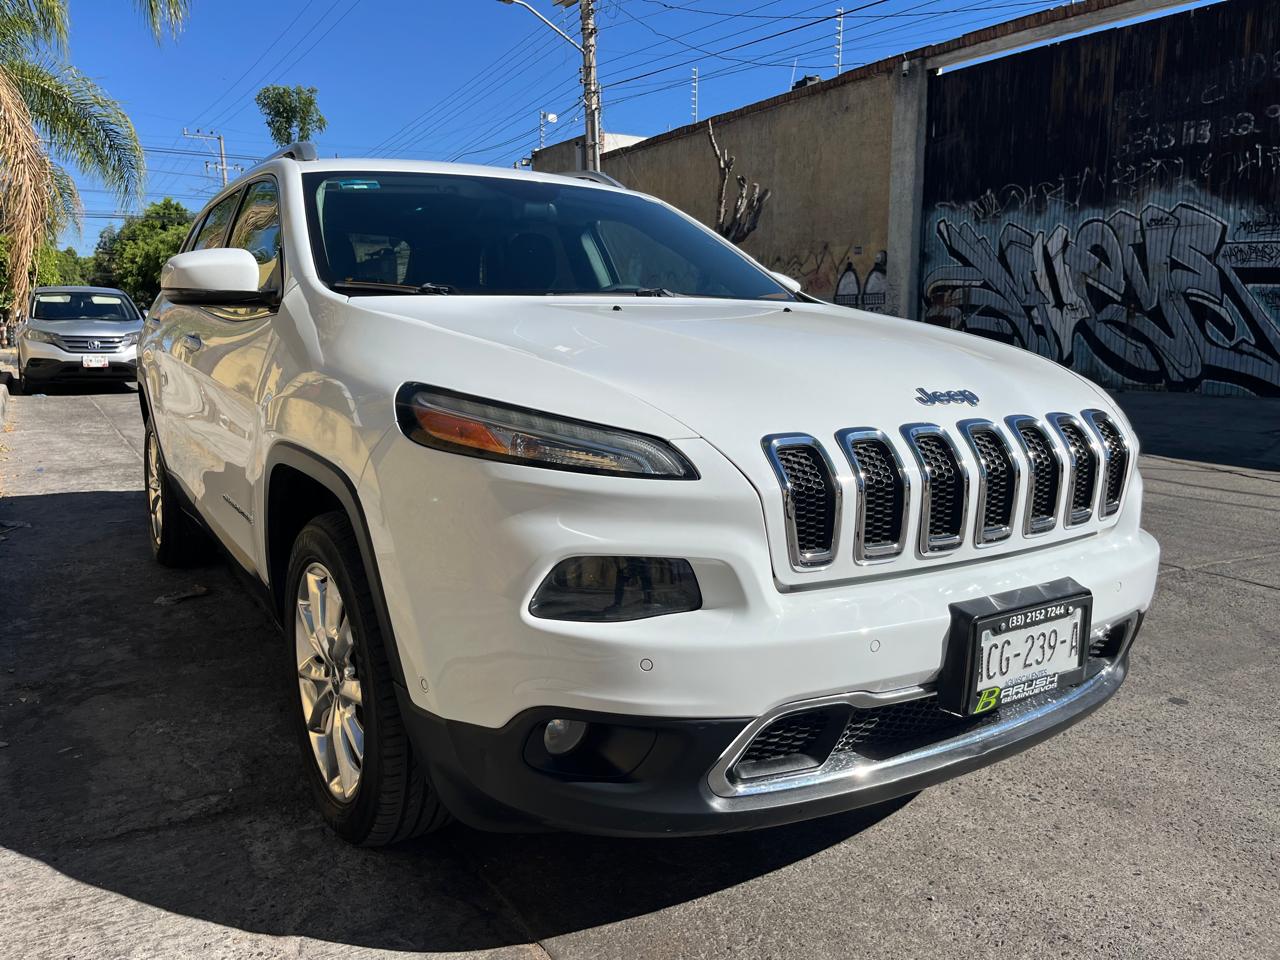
[82,306]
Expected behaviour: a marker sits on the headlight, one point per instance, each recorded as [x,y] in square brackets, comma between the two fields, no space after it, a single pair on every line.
[473,427]
[40,336]
[130,340]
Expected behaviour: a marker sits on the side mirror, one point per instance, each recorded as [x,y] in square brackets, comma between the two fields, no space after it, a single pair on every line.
[225,276]
[791,283]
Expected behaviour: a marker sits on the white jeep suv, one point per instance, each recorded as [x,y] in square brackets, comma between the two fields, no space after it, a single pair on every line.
[578,517]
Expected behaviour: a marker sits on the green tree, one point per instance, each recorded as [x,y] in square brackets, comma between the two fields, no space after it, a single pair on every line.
[102,263]
[51,114]
[48,268]
[71,267]
[141,247]
[291,113]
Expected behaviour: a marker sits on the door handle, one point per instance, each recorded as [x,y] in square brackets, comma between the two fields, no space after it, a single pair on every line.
[192,340]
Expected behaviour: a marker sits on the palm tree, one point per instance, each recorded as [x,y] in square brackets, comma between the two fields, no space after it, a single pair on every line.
[51,114]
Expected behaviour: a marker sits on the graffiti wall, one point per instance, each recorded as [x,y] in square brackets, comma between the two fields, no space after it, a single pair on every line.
[1113,202]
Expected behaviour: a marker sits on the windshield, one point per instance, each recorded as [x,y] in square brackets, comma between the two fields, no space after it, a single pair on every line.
[492,235]
[70,305]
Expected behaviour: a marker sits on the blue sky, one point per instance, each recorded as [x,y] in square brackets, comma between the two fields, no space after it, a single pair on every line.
[466,79]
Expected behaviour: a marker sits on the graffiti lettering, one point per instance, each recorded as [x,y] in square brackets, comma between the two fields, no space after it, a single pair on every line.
[1268,222]
[1162,297]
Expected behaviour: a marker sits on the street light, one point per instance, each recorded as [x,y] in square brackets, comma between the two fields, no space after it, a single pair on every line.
[534,11]
[590,87]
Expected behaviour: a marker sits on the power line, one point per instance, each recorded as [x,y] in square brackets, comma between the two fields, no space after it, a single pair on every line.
[747,43]
[725,15]
[225,115]
[494,128]
[267,49]
[178,151]
[418,135]
[433,124]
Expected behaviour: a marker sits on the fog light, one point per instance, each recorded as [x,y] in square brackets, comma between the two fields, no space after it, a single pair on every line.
[610,589]
[561,736]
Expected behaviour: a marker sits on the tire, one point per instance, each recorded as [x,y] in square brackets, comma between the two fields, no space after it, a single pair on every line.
[384,796]
[175,539]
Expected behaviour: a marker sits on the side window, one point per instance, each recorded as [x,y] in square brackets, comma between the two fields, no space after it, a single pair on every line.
[214,227]
[257,228]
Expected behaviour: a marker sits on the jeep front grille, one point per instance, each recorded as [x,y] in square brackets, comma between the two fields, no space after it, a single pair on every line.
[882,491]
[1023,467]
[1043,470]
[1082,468]
[1115,453]
[997,481]
[811,497]
[944,490]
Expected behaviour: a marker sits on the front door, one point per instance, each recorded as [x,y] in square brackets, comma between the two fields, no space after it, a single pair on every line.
[229,363]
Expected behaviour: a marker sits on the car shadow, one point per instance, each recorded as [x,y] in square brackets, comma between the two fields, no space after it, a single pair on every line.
[74,388]
[1227,431]
[148,755]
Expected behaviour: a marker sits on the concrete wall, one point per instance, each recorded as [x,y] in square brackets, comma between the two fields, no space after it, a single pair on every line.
[823,151]
[571,154]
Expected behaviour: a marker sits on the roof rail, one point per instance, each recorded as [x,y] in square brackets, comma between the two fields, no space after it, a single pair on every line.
[299,150]
[593,175]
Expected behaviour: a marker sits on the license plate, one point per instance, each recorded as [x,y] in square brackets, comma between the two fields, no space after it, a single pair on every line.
[1014,646]
[94,361]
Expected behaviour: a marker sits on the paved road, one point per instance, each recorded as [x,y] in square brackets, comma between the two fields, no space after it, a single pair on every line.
[150,799]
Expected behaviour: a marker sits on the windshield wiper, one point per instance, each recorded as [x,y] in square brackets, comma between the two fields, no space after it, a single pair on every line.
[377,286]
[653,292]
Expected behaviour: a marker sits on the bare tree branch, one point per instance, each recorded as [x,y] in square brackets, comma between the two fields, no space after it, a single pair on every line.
[748,205]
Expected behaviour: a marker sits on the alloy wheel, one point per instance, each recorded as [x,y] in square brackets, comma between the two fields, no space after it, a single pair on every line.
[332,699]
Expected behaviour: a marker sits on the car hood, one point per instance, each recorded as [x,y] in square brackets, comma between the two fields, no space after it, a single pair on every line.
[87,328]
[734,371]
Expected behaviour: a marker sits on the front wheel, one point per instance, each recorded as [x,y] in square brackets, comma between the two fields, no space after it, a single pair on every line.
[176,541]
[367,782]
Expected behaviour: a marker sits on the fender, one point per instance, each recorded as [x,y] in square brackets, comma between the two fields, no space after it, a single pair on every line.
[333,479]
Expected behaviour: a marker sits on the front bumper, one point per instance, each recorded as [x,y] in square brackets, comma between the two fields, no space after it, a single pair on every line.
[45,362]
[682,781]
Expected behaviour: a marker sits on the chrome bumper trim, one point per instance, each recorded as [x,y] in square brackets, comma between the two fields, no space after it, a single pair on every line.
[850,774]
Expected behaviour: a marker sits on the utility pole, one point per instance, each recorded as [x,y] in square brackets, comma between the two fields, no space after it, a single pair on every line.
[590,85]
[695,94]
[839,40]
[221,166]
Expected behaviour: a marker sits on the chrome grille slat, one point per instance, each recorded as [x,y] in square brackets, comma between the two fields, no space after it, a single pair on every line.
[944,488]
[1082,468]
[1116,460]
[82,344]
[1028,472]
[1044,474]
[998,479]
[810,496]
[883,493]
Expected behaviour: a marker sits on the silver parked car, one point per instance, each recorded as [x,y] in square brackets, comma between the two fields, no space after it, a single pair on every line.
[78,333]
